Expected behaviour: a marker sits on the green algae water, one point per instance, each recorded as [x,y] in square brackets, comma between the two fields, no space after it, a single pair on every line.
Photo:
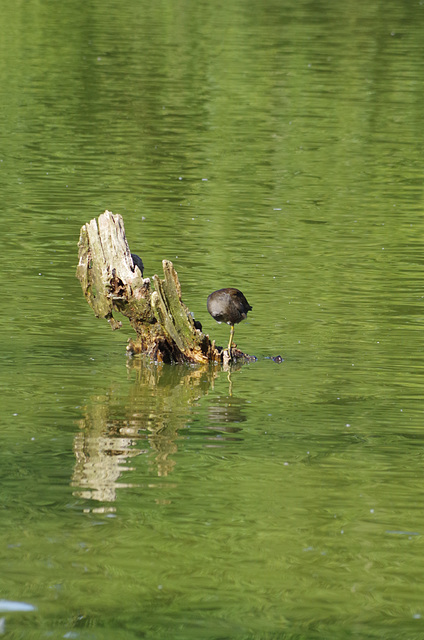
[275,147]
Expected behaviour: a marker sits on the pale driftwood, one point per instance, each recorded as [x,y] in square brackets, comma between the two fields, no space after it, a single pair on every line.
[165,328]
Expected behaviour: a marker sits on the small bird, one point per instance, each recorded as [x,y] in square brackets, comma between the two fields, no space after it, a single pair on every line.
[230,306]
[138,262]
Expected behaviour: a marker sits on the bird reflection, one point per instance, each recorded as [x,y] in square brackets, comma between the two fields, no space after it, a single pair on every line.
[227,409]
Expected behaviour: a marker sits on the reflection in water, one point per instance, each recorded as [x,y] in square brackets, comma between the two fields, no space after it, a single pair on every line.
[102,449]
[158,406]
[227,409]
[223,413]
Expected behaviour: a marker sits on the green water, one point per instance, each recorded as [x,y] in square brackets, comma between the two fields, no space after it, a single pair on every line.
[272,146]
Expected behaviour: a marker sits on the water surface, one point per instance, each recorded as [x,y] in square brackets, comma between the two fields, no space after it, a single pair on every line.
[272,147]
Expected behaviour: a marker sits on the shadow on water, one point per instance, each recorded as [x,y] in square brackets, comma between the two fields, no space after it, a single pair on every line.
[147,423]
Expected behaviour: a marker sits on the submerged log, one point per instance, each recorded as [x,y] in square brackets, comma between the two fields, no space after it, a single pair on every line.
[113,281]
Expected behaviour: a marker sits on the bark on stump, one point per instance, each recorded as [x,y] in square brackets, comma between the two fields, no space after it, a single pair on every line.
[165,329]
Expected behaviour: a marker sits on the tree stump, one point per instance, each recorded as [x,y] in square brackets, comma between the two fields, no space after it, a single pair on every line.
[165,329]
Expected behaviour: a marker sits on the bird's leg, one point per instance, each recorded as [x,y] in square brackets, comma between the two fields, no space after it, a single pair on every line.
[231,340]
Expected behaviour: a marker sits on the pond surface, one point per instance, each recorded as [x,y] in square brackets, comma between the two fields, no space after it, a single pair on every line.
[274,147]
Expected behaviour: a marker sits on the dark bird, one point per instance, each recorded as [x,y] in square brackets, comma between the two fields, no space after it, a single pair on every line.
[138,262]
[230,306]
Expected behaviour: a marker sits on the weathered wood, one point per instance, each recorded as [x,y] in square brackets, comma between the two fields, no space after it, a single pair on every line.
[165,328]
